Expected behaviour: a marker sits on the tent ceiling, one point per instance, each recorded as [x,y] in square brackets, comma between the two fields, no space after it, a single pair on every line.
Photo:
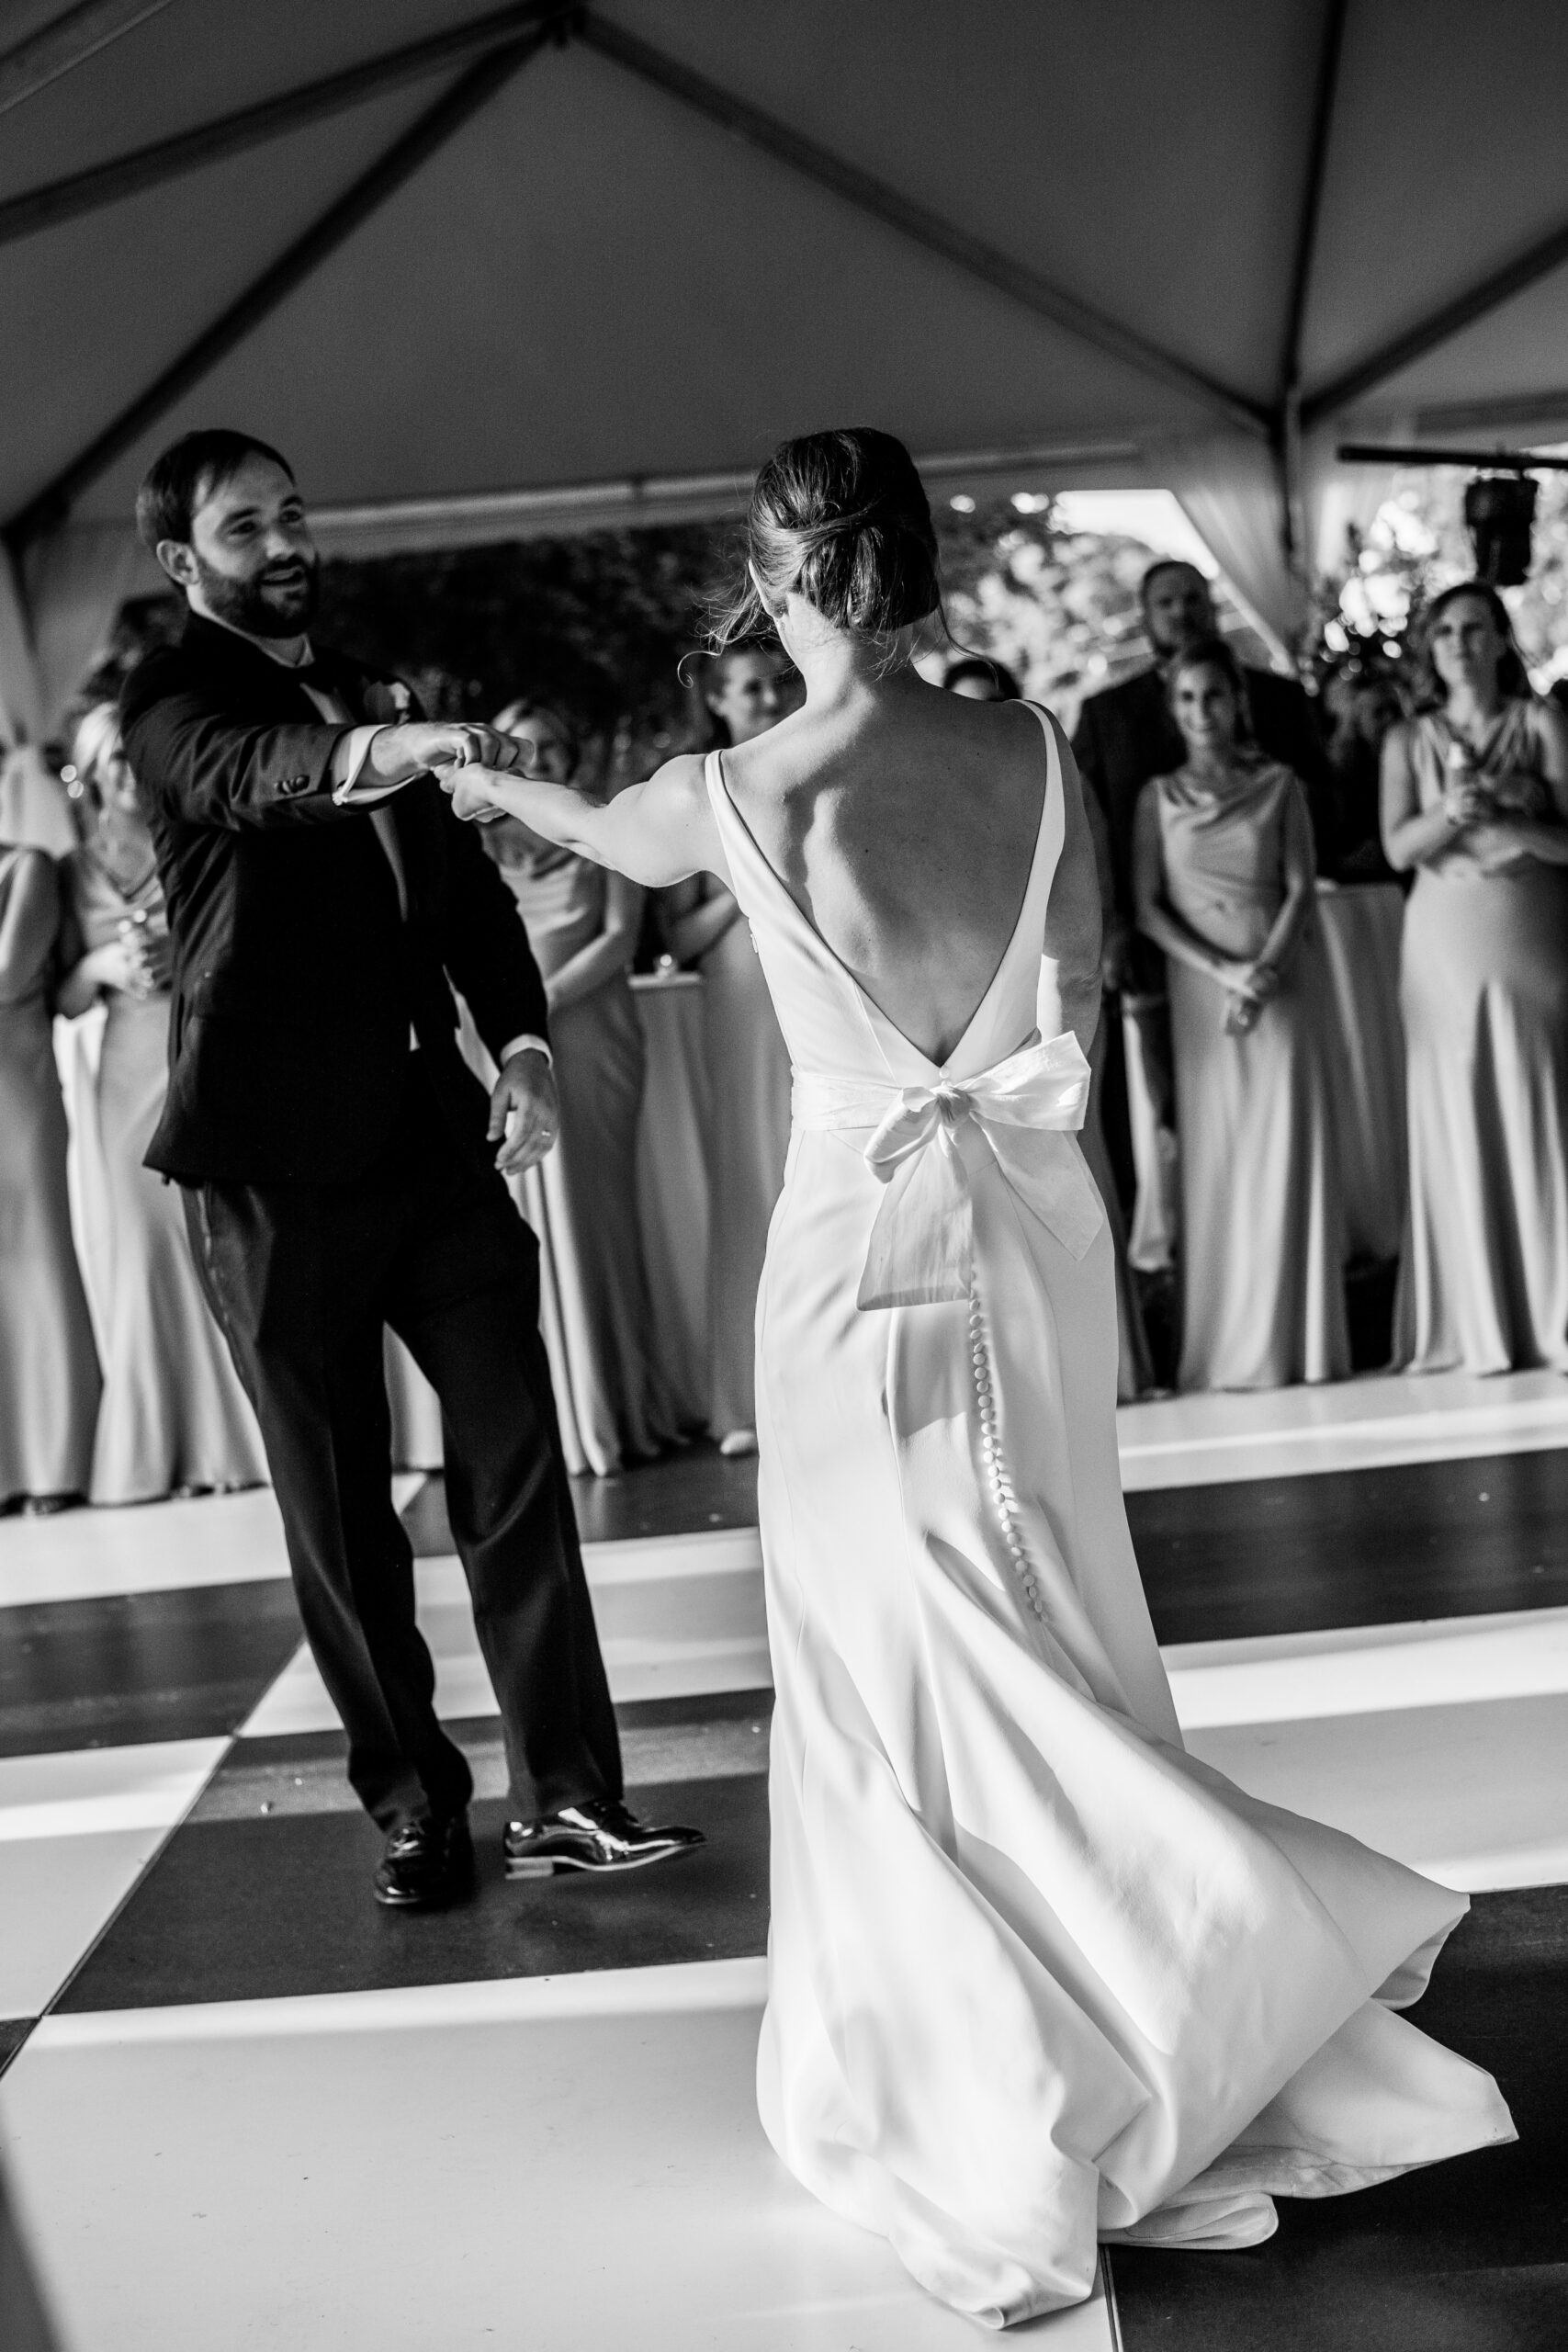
[1086,227]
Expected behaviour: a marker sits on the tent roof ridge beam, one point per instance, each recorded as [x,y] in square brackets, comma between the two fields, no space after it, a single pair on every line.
[1537,261]
[392,169]
[40,208]
[1331,49]
[66,41]
[889,205]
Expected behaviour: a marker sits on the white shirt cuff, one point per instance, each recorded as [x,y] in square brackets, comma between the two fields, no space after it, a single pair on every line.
[527,1043]
[348,758]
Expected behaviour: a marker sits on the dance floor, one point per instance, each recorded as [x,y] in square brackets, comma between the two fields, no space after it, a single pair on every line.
[243,2106]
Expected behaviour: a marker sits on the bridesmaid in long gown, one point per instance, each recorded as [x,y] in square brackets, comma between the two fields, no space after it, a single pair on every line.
[1475,799]
[1033,1972]
[749,690]
[1223,877]
[582,1201]
[173,1417]
[49,1366]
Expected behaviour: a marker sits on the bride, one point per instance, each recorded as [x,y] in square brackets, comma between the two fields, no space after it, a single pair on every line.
[1035,1973]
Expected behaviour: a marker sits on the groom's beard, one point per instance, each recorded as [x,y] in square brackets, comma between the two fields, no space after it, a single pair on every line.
[275,602]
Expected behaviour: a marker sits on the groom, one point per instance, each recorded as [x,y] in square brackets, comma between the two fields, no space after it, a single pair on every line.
[340,1175]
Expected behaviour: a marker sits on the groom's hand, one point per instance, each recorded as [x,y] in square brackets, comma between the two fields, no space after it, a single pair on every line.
[524,1116]
[395,754]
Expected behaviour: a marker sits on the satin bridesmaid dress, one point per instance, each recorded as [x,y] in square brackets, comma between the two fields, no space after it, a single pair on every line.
[174,1415]
[49,1366]
[1484,987]
[1263,1245]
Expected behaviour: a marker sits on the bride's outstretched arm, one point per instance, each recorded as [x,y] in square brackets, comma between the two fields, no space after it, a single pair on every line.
[655,832]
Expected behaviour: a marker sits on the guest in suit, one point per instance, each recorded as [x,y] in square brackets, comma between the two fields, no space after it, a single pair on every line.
[173,1416]
[49,1367]
[343,1172]
[582,1201]
[1224,882]
[1475,802]
[749,688]
[1125,735]
[979,680]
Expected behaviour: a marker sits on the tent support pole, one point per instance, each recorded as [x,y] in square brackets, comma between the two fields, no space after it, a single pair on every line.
[1488,294]
[65,42]
[368,193]
[1331,50]
[67,199]
[872,196]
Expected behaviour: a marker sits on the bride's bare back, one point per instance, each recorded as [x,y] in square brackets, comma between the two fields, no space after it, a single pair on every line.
[903,822]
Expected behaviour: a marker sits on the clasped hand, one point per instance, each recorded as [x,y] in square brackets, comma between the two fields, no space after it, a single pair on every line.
[467,789]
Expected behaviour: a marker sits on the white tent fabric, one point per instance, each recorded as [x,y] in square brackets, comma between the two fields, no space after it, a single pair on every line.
[484,271]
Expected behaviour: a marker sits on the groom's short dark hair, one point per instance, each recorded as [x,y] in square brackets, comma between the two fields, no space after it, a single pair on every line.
[188,471]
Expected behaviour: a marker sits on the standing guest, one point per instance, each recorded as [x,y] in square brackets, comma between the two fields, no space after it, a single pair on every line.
[174,1415]
[980,680]
[1125,735]
[49,1368]
[1475,799]
[749,689]
[343,1172]
[582,927]
[1224,882]
[1363,706]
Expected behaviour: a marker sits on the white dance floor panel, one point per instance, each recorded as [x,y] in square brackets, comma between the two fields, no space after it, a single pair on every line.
[76,1832]
[566,2165]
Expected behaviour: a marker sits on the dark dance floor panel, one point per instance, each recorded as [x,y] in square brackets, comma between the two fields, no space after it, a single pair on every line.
[1465,2256]
[14,2031]
[686,1493]
[1354,1547]
[129,1668]
[249,1910]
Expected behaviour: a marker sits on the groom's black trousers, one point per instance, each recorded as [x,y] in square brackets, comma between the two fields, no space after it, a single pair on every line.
[302,1278]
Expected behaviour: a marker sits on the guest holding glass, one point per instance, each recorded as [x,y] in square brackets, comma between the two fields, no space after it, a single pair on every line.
[1475,802]
[49,1366]
[1223,881]
[582,1201]
[173,1417]
[749,688]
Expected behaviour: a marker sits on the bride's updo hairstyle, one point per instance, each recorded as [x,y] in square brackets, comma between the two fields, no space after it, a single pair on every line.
[843,518]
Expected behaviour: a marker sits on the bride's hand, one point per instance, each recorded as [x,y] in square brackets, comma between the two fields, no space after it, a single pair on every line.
[471,792]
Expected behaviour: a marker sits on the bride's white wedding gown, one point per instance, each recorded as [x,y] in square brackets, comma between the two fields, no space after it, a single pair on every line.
[1036,1975]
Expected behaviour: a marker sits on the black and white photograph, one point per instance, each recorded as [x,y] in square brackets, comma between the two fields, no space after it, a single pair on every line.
[784,1175]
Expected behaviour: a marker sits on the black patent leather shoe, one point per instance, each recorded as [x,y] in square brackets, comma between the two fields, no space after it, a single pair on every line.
[425,1862]
[601,1835]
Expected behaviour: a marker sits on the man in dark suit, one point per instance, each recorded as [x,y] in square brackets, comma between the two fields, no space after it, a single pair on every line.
[1125,736]
[340,1166]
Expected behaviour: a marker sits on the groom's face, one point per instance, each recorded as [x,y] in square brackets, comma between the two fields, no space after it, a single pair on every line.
[251,561]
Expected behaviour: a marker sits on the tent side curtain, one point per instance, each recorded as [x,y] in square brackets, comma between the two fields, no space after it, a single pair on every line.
[1228,486]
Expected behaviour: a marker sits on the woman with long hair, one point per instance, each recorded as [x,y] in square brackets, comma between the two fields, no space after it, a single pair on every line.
[1224,880]
[1033,1974]
[173,1416]
[747,688]
[49,1368]
[582,1201]
[1475,801]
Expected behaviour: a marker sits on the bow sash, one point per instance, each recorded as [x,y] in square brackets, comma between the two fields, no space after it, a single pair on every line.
[1023,1110]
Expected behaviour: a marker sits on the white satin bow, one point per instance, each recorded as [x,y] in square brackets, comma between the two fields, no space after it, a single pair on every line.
[922,1244]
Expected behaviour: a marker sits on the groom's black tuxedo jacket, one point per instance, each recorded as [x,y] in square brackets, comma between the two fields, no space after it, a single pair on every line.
[295,978]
